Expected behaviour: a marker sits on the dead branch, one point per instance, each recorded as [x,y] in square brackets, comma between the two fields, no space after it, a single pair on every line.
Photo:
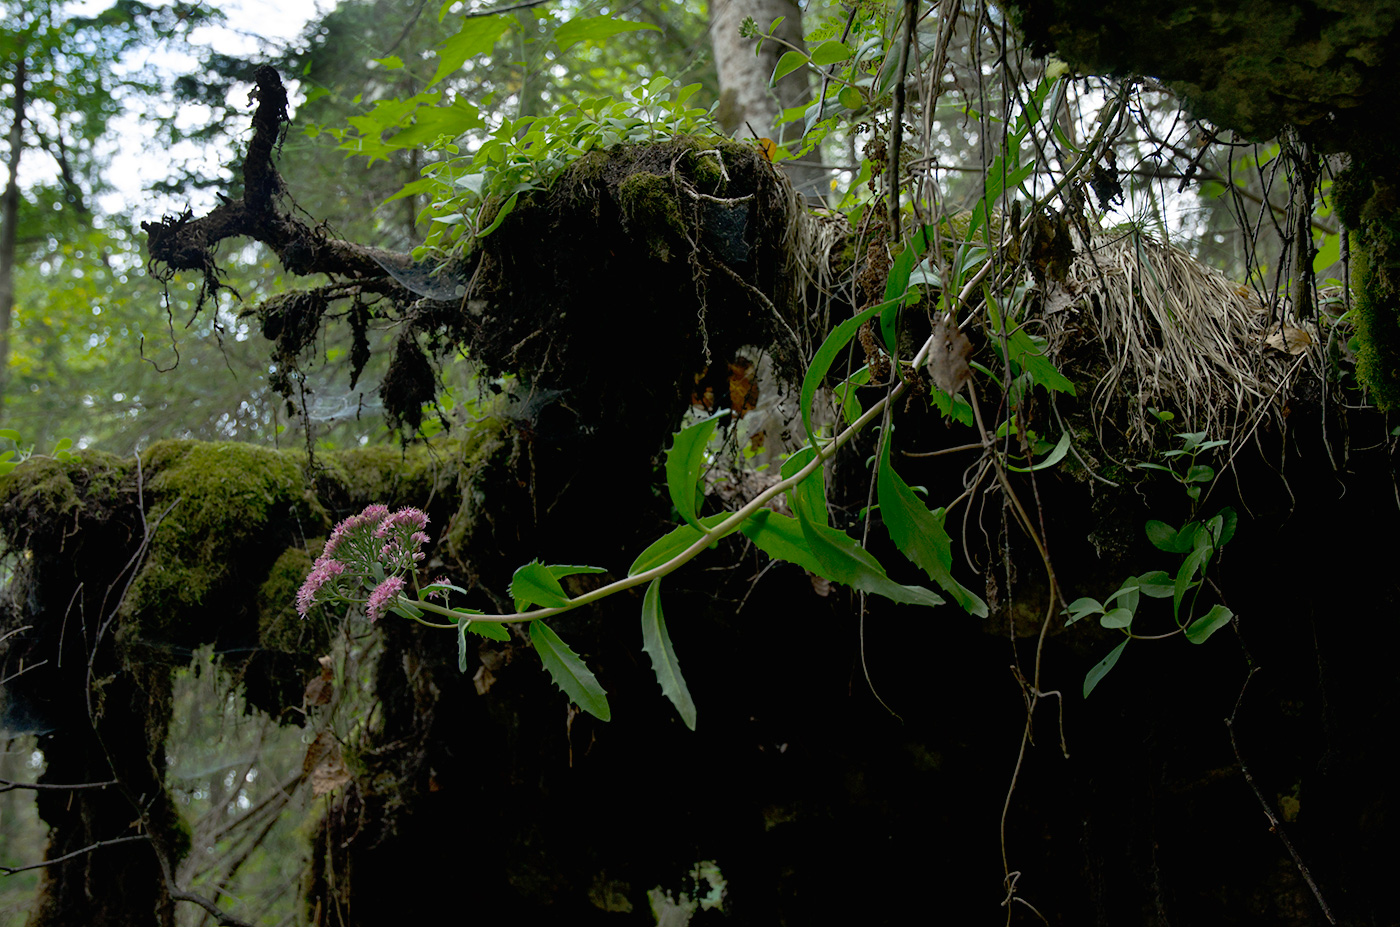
[184,242]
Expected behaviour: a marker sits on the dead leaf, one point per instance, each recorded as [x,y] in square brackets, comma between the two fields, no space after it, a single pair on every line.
[491,660]
[320,689]
[743,391]
[947,360]
[1288,339]
[325,765]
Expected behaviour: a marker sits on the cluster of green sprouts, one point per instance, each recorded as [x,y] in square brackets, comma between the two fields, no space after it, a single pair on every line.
[1198,541]
[18,452]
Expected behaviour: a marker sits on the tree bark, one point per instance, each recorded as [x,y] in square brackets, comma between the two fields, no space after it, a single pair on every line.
[9,219]
[748,105]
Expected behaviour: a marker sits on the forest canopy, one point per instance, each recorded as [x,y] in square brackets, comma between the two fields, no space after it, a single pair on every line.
[862,350]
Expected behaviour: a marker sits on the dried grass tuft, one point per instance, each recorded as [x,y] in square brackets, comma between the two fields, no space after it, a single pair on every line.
[1176,335]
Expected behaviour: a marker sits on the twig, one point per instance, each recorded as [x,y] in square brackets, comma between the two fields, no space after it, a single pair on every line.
[11,870]
[911,10]
[7,785]
[1275,825]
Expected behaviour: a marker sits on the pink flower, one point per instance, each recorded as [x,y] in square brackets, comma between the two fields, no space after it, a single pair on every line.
[410,518]
[403,536]
[321,572]
[440,593]
[349,531]
[383,596]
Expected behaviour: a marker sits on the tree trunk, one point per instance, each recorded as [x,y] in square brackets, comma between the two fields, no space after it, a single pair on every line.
[9,219]
[747,104]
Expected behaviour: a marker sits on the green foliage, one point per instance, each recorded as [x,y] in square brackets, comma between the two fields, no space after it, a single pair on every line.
[684,463]
[1198,542]
[17,453]
[656,642]
[919,533]
[569,672]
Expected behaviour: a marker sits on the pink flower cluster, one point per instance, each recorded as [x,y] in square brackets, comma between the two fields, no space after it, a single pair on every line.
[372,550]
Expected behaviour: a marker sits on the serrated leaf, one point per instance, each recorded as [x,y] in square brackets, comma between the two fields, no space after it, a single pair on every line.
[844,561]
[439,587]
[830,52]
[430,122]
[1027,355]
[920,535]
[569,672]
[560,570]
[673,543]
[809,496]
[1100,670]
[781,538]
[595,29]
[656,641]
[789,62]
[477,36]
[492,629]
[535,584]
[685,460]
[826,355]
[1206,625]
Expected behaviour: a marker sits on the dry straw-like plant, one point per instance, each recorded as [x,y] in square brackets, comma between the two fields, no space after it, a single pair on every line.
[1175,335]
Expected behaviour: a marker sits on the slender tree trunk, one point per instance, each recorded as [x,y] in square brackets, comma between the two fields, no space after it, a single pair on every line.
[748,106]
[9,219]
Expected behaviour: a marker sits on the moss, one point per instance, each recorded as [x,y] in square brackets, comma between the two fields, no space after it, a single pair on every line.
[215,510]
[1368,201]
[58,494]
[280,628]
[1378,313]
[651,212]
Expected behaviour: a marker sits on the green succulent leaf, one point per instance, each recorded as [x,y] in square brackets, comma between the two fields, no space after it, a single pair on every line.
[1186,575]
[656,641]
[919,534]
[1117,618]
[569,672]
[826,355]
[685,461]
[536,584]
[673,543]
[1157,584]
